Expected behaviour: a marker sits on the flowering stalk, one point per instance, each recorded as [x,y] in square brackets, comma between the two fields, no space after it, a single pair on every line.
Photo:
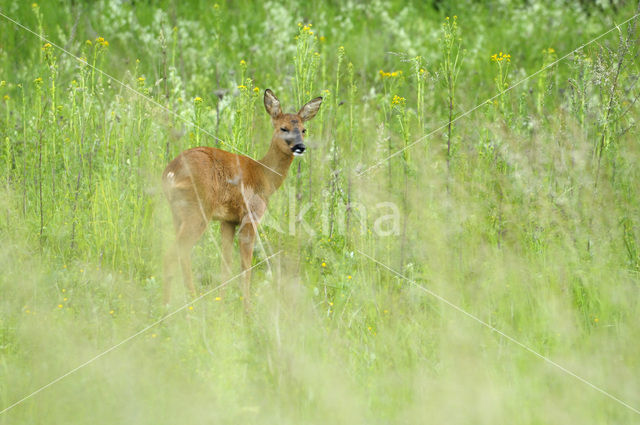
[7,146]
[398,105]
[549,56]
[333,181]
[6,99]
[420,75]
[25,162]
[390,82]
[305,61]
[197,110]
[244,113]
[503,60]
[352,98]
[450,68]
[305,64]
[50,60]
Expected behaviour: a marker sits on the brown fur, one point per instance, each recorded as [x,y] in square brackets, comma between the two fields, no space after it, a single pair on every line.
[204,184]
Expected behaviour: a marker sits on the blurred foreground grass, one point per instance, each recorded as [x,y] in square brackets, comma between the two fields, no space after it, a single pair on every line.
[530,222]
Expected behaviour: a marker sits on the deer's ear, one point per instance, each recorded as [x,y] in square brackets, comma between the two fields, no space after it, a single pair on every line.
[272,104]
[310,110]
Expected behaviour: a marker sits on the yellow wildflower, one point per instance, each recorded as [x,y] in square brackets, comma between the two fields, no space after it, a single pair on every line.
[100,41]
[197,99]
[324,264]
[242,87]
[6,97]
[398,100]
[393,74]
[256,89]
[59,305]
[499,57]
[307,28]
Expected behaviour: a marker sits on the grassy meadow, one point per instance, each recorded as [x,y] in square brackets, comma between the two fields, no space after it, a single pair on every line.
[524,213]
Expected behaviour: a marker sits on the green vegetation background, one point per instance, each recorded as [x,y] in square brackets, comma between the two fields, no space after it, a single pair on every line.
[524,213]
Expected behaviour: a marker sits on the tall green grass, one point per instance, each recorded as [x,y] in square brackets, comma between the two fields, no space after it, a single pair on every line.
[525,213]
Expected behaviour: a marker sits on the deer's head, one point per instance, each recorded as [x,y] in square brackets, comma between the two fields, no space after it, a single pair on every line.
[289,129]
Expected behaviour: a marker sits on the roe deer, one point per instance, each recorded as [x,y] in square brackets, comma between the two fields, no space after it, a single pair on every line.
[204,184]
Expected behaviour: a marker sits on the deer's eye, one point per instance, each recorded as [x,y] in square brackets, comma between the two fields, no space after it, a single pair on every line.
[304,131]
[286,130]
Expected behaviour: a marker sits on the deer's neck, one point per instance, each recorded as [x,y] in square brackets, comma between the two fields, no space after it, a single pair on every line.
[276,166]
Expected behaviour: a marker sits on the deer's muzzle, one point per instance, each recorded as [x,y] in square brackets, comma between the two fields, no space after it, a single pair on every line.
[298,149]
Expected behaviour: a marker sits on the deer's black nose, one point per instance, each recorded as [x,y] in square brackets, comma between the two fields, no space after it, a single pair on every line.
[298,149]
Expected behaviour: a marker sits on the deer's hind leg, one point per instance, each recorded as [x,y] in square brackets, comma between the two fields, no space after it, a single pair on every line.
[191,229]
[190,223]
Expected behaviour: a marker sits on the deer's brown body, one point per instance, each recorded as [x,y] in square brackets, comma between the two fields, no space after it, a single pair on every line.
[204,184]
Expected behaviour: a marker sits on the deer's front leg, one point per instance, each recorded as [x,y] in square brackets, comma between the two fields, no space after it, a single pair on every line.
[256,207]
[228,231]
[246,236]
